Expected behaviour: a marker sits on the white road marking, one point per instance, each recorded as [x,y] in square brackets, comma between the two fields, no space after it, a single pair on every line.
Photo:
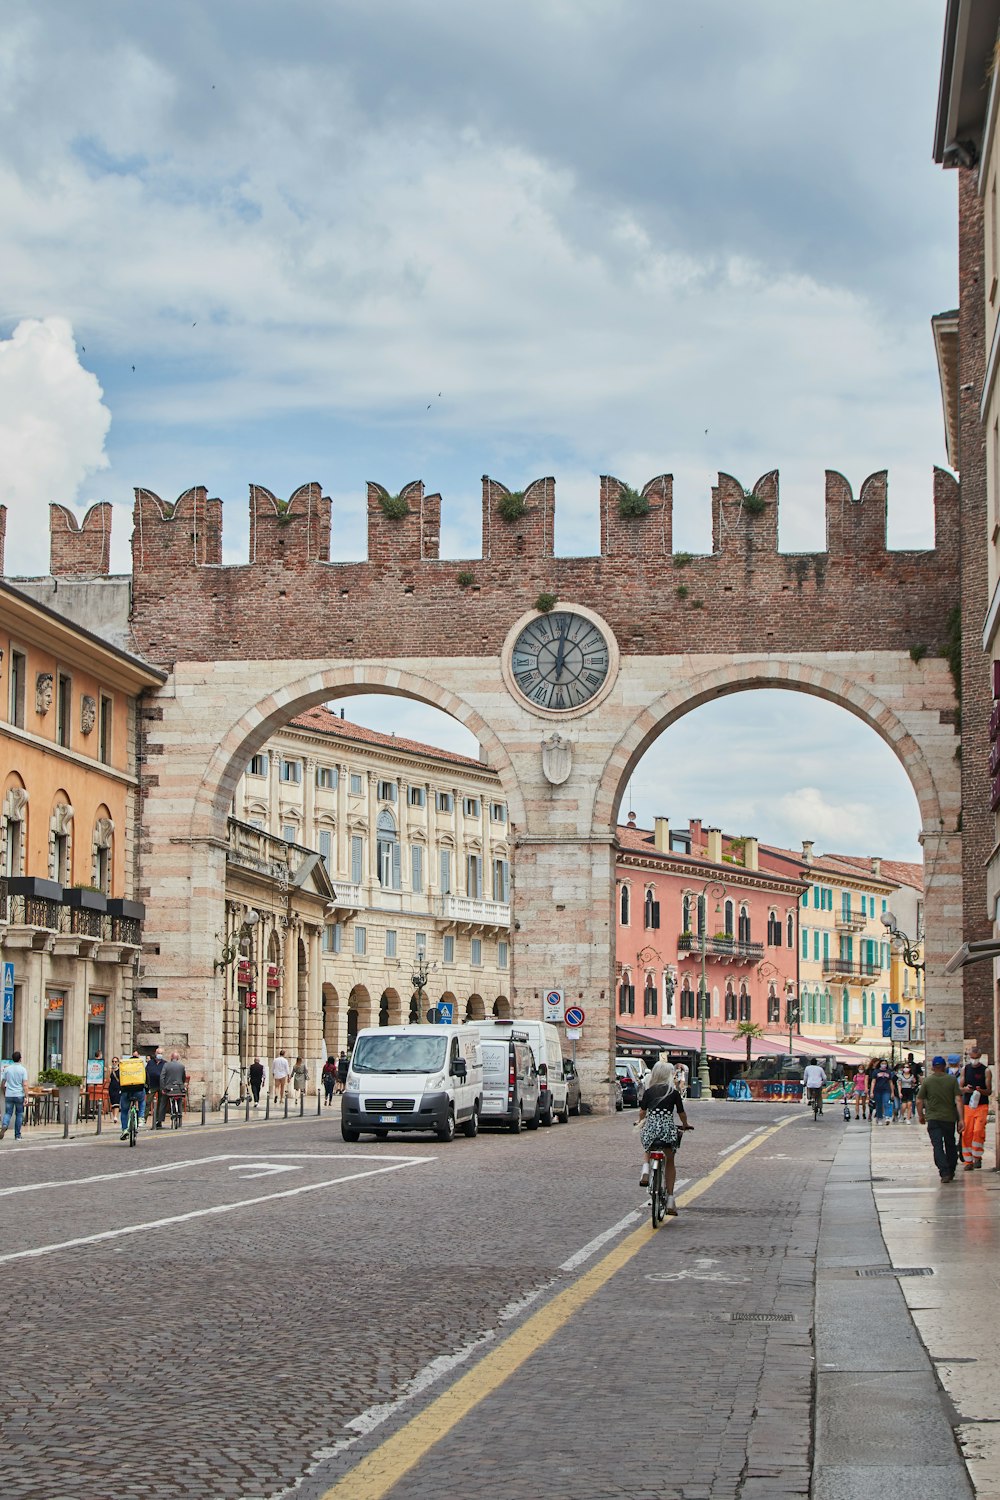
[197,1161]
[595,1244]
[248,1169]
[204,1213]
[743,1140]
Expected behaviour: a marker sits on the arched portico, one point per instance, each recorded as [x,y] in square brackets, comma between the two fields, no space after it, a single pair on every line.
[561,831]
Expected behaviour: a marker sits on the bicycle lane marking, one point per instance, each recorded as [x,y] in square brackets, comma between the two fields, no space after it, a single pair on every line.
[375,1475]
[204,1213]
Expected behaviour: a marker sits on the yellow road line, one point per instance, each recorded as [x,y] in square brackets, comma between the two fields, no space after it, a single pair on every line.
[384,1467]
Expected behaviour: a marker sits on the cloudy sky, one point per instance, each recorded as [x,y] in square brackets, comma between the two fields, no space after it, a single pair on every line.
[327,239]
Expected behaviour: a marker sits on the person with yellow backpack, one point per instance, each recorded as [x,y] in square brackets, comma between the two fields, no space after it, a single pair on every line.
[132,1073]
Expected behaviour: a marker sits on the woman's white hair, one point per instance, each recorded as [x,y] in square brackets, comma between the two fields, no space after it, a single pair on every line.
[663,1073]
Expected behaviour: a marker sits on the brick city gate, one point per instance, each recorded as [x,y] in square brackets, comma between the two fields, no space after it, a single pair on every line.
[249,646]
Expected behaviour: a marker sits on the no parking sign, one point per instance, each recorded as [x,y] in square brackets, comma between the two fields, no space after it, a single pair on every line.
[554,1005]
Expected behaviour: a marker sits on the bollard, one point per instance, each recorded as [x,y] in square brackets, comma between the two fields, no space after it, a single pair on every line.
[248,1109]
[100,1115]
[319,1103]
[302,1103]
[267,1107]
[65,1124]
[225,1113]
[204,1110]
[286,1106]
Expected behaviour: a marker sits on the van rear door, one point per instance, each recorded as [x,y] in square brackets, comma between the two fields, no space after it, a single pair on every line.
[496,1076]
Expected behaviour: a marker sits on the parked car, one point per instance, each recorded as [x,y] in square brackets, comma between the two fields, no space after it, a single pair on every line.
[413,1078]
[546,1046]
[574,1094]
[632,1075]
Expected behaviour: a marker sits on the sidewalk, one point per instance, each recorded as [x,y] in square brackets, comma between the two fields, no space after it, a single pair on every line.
[39,1135]
[954,1230]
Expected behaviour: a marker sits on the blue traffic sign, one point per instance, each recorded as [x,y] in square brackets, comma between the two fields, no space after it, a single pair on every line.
[889,1009]
[575,1015]
[446,1010]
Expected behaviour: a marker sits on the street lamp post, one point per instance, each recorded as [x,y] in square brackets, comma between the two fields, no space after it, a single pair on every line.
[792,1006]
[718,891]
[419,980]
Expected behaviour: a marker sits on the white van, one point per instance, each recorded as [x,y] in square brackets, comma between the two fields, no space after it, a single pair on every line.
[546,1043]
[510,1082]
[413,1078]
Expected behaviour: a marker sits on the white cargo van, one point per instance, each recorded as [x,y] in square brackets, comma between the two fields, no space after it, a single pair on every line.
[546,1044]
[510,1082]
[413,1078]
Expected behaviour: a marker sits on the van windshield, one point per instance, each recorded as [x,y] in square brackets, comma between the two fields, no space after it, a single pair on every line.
[392,1053]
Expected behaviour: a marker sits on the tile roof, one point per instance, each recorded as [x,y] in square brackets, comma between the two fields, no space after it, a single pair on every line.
[640,841]
[320,720]
[897,871]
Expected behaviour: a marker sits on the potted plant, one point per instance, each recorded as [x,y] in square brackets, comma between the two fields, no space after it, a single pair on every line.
[68,1085]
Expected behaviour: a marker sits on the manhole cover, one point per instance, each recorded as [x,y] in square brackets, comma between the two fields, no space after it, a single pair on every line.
[896,1271]
[750,1317]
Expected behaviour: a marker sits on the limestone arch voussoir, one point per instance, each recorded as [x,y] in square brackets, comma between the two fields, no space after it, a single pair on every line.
[858,698]
[262,718]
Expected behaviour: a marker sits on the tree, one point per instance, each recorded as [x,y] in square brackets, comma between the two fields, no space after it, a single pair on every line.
[751,1033]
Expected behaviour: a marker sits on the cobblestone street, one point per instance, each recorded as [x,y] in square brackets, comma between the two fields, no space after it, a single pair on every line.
[262,1306]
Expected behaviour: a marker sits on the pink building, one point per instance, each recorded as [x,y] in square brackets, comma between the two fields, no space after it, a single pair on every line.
[691,896]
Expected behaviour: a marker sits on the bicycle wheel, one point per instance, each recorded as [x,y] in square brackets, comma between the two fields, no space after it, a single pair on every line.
[817,1108]
[133,1125]
[657,1200]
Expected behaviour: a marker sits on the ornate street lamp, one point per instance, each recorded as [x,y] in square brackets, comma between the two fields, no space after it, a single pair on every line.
[909,951]
[419,980]
[718,891]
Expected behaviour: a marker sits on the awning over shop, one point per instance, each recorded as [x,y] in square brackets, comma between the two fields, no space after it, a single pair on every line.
[688,1039]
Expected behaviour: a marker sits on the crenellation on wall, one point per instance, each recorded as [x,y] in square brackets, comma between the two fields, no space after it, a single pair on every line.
[745,521]
[649,534]
[168,536]
[80,549]
[296,530]
[512,537]
[411,537]
[856,526]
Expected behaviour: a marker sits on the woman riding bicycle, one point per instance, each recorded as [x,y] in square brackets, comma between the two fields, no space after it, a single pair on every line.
[658,1129]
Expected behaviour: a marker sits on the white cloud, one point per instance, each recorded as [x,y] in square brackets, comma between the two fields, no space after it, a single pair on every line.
[53,424]
[837,826]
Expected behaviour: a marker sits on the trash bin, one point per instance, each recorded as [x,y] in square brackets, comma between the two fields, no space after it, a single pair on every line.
[694,1088]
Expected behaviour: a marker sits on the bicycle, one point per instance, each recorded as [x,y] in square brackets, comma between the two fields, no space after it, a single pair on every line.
[176,1102]
[816,1102]
[132,1125]
[657,1186]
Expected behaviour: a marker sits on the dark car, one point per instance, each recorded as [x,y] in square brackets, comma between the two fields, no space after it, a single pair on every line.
[628,1076]
[574,1095]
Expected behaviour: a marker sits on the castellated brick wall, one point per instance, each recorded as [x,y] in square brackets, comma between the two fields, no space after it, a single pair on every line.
[289,600]
[79,550]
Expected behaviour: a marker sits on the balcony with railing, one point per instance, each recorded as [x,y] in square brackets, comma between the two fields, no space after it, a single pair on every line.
[731,949]
[346,901]
[851,921]
[851,971]
[71,921]
[471,912]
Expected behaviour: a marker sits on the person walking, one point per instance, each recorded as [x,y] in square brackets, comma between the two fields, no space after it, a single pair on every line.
[861,1094]
[255,1077]
[977,1086]
[881,1095]
[154,1069]
[908,1082]
[15,1083]
[114,1089]
[343,1066]
[939,1106]
[172,1081]
[280,1073]
[329,1079]
[300,1076]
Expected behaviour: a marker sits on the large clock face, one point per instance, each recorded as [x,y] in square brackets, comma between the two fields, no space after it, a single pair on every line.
[560,660]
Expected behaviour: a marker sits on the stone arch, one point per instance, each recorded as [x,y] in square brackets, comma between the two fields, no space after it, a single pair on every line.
[359,1012]
[331,1018]
[938,806]
[262,719]
[501,1008]
[475,1008]
[389,1008]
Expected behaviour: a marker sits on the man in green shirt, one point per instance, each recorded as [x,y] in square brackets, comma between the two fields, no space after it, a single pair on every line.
[939,1107]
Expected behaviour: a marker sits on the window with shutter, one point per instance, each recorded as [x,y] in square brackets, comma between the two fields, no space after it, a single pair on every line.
[474,877]
[416,868]
[444,871]
[357,858]
[325,846]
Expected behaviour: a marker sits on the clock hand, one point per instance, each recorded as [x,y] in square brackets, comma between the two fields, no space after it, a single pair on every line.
[560,654]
